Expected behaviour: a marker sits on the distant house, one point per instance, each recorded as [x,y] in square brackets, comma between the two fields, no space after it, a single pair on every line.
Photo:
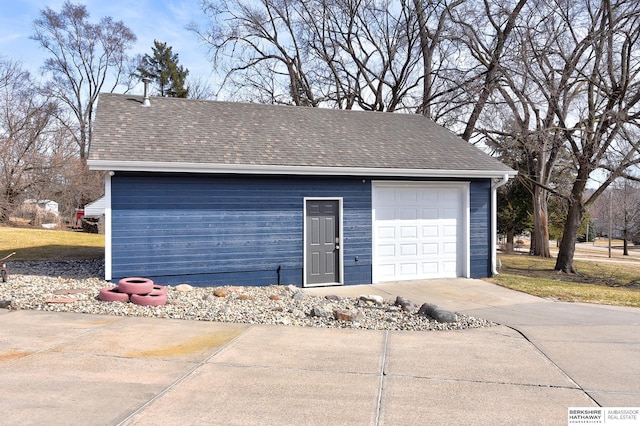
[215,193]
[96,207]
[45,205]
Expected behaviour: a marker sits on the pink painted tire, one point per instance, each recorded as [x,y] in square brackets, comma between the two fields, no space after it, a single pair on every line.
[112,294]
[158,289]
[149,299]
[135,285]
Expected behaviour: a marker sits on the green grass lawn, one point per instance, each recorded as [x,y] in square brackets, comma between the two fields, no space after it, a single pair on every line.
[596,282]
[43,244]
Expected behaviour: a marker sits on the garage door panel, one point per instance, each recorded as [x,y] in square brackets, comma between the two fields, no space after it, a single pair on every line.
[386,232]
[448,213]
[449,248]
[449,197]
[450,230]
[418,231]
[449,268]
[387,272]
[429,214]
[430,231]
[408,250]
[430,268]
[408,232]
[407,214]
[429,248]
[426,195]
[406,195]
[408,269]
[386,195]
[387,250]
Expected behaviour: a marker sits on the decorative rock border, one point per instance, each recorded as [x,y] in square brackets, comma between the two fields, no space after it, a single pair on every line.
[33,283]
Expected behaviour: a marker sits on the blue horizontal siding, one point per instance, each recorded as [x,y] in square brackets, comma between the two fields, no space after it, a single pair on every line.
[480,228]
[211,230]
[217,230]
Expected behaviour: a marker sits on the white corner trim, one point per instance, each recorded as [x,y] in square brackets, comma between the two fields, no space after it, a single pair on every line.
[108,260]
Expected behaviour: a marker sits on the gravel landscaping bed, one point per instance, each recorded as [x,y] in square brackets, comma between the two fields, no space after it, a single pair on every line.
[73,286]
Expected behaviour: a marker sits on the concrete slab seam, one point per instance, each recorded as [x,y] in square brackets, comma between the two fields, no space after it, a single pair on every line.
[383,372]
[554,363]
[487,382]
[182,378]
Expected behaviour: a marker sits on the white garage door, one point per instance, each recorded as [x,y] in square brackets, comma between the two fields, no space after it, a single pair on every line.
[419,230]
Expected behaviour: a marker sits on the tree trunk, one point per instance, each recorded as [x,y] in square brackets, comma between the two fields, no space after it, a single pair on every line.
[567,250]
[508,248]
[4,214]
[425,106]
[575,214]
[540,235]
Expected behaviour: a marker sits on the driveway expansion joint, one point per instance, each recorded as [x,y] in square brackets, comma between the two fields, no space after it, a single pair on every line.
[578,387]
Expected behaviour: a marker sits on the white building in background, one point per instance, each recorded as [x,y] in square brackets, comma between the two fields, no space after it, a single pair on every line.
[95,208]
[46,205]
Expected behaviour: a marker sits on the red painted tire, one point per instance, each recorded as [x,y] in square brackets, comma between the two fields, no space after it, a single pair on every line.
[112,294]
[149,299]
[158,289]
[135,285]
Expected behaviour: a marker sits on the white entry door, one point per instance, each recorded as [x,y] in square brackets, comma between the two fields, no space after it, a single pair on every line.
[419,230]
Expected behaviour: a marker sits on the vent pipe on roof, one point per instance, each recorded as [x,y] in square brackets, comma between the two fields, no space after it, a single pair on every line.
[146,102]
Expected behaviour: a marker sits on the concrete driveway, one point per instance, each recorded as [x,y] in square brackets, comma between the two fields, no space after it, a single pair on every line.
[596,346]
[86,369]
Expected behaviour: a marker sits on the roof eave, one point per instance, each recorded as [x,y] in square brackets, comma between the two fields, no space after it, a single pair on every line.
[170,167]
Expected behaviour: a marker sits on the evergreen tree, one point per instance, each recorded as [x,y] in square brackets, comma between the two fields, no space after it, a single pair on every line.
[514,211]
[162,68]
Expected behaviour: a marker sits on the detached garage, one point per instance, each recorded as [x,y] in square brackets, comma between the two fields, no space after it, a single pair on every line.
[217,193]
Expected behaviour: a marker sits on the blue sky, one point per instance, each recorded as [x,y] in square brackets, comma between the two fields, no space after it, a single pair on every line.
[164,20]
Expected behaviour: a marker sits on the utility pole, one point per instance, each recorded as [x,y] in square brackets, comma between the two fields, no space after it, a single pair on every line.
[610,219]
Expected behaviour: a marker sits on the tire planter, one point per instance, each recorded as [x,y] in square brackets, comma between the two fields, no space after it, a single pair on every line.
[149,299]
[135,285]
[112,294]
[158,289]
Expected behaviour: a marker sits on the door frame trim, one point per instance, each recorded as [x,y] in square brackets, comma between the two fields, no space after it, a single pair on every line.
[304,241]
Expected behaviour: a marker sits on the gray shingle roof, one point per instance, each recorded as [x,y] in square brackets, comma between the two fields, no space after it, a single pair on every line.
[205,134]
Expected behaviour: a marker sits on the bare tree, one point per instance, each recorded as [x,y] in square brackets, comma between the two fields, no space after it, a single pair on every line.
[525,106]
[620,207]
[376,49]
[443,80]
[571,88]
[25,122]
[340,53]
[84,59]
[500,19]
[199,88]
[261,38]
[599,127]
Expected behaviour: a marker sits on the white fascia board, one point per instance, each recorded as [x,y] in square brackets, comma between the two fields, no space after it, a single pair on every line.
[169,167]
